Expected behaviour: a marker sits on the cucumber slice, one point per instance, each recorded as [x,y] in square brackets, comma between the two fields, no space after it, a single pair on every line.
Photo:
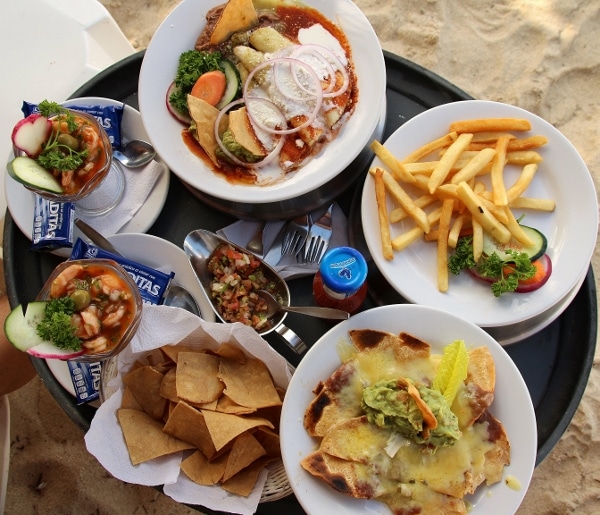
[20,328]
[234,84]
[29,172]
[491,245]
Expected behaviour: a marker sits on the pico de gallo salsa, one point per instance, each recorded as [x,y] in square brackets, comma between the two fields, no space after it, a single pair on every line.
[236,278]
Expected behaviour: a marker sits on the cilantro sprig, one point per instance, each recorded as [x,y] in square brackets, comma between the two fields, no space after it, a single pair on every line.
[505,273]
[57,155]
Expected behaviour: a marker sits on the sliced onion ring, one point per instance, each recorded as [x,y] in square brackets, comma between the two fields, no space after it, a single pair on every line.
[318,97]
[327,56]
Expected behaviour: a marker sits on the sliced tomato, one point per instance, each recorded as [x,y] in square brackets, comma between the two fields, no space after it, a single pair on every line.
[543,267]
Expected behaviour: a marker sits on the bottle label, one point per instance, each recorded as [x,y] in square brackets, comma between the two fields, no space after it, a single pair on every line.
[337,295]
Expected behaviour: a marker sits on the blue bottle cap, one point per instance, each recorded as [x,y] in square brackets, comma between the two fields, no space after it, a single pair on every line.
[343,269]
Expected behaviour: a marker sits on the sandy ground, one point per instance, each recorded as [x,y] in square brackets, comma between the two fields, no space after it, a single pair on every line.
[541,55]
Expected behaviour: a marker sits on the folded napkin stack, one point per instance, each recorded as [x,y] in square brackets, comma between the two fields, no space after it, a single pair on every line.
[138,186]
[242,231]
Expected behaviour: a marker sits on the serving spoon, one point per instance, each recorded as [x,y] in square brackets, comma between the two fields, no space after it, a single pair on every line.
[274,307]
[179,297]
[135,153]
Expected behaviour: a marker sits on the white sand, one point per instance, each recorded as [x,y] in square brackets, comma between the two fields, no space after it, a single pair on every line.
[541,55]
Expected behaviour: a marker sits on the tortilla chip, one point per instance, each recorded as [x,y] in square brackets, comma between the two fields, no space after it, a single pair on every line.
[129,401]
[196,377]
[270,442]
[244,451]
[187,424]
[168,388]
[243,133]
[224,427]
[243,482]
[226,405]
[232,352]
[144,383]
[249,384]
[205,117]
[172,351]
[237,15]
[202,471]
[144,437]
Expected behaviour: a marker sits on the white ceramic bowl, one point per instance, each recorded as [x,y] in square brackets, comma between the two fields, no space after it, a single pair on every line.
[512,406]
[178,33]
[571,229]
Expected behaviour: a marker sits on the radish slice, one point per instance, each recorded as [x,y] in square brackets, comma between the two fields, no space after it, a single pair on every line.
[186,120]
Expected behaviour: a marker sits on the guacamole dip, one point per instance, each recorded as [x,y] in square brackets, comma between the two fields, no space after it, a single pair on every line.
[236,149]
[388,404]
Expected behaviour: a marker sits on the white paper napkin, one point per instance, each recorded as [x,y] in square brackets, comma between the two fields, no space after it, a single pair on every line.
[163,325]
[138,186]
[242,231]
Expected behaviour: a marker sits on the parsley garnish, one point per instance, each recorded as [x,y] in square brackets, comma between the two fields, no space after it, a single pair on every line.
[56,325]
[506,272]
[56,155]
[192,64]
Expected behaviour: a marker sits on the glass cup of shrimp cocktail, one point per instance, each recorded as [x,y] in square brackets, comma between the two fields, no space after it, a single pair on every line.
[100,301]
[61,154]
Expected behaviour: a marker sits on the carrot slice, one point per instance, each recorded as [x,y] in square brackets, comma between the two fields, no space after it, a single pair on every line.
[210,87]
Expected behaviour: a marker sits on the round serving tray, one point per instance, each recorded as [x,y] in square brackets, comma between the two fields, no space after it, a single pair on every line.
[555,362]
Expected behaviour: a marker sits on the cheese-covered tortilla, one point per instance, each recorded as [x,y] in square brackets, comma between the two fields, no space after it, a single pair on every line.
[367,454]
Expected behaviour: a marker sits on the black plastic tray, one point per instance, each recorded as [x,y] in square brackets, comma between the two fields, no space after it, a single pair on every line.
[555,362]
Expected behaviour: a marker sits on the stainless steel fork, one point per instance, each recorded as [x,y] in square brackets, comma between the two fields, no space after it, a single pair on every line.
[295,235]
[318,238]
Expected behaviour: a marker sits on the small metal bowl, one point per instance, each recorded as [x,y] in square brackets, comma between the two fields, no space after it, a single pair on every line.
[114,267]
[199,246]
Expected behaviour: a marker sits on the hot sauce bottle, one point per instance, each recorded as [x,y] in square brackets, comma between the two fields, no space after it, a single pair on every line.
[341,279]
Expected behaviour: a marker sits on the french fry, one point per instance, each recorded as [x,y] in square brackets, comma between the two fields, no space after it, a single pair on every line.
[522,183]
[430,147]
[477,240]
[442,244]
[490,136]
[497,173]
[516,230]
[404,199]
[384,225]
[523,157]
[481,214]
[490,125]
[395,166]
[537,204]
[475,165]
[399,214]
[441,171]
[515,145]
[456,230]
[403,240]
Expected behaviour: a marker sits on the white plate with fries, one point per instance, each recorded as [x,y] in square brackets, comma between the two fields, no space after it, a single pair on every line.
[562,179]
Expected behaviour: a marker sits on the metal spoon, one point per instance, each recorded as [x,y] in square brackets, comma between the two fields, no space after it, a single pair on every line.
[274,307]
[135,153]
[255,245]
[179,297]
